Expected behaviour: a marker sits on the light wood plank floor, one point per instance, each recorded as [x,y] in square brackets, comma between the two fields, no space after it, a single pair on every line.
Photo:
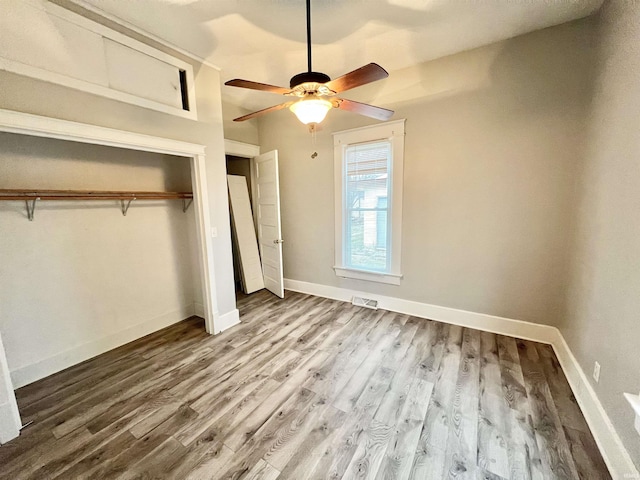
[308,388]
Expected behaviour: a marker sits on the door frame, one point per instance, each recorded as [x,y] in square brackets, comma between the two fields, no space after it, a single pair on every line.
[241,149]
[250,152]
[40,126]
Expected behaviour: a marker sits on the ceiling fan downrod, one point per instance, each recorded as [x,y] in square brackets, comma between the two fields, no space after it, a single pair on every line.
[309,36]
[309,76]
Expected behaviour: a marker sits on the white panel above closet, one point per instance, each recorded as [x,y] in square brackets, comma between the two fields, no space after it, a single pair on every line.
[45,41]
[31,36]
[134,72]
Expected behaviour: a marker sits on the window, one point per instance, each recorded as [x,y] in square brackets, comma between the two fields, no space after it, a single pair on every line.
[368,177]
[366,187]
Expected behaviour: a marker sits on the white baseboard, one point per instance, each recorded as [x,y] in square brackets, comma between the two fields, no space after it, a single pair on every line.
[30,373]
[615,455]
[221,322]
[225,321]
[464,318]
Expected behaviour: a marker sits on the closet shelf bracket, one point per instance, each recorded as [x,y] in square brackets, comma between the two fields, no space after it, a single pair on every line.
[124,205]
[31,207]
[186,204]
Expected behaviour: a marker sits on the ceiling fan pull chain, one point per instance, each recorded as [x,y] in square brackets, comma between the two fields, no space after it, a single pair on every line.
[313,128]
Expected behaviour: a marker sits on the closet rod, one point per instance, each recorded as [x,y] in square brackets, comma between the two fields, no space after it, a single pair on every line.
[94,197]
[31,196]
[11,194]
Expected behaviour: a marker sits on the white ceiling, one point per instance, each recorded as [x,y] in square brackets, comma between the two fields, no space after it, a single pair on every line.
[264,40]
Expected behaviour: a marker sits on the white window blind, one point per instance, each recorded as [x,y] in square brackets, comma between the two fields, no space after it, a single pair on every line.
[367,172]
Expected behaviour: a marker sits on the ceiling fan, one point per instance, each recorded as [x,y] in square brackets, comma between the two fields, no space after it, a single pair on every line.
[316,92]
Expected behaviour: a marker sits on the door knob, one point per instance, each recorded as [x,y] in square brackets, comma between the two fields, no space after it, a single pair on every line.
[278,240]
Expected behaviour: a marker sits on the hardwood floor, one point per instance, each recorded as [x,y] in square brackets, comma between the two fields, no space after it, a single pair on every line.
[308,388]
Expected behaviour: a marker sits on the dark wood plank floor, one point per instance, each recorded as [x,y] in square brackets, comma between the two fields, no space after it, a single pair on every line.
[308,388]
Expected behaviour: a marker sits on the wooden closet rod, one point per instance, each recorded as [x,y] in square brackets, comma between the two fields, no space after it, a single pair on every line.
[31,196]
[16,194]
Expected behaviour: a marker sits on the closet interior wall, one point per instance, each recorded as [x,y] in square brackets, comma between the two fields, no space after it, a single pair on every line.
[81,274]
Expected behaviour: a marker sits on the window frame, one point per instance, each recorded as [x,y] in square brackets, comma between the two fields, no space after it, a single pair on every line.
[394,132]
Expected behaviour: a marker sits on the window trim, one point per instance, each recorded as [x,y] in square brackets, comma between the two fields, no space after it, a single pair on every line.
[394,132]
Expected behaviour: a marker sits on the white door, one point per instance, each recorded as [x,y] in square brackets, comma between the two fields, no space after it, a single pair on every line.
[267,201]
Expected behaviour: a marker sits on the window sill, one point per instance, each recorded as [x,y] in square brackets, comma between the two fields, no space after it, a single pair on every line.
[389,278]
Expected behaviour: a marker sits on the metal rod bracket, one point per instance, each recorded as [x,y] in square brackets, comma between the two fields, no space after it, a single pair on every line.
[31,208]
[186,205]
[125,208]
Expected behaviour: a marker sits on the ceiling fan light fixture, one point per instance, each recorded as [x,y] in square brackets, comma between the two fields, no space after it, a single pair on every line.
[311,110]
[310,86]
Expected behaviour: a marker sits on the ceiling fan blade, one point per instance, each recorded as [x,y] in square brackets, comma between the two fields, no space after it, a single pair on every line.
[363,109]
[361,76]
[263,111]
[238,82]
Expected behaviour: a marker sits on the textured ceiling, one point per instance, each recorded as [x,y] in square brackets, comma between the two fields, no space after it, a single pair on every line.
[264,40]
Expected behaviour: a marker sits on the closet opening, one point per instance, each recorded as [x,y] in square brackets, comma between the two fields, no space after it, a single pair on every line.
[86,275]
[90,270]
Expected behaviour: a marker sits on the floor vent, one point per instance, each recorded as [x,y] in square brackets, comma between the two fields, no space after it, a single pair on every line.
[365,302]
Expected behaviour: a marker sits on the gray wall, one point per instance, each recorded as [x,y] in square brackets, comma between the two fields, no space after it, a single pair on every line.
[494,139]
[603,311]
[246,131]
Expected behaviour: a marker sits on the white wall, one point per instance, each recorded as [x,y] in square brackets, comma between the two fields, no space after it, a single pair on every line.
[494,138]
[603,311]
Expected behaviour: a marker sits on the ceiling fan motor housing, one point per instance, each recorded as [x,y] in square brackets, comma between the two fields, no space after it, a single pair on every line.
[308,77]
